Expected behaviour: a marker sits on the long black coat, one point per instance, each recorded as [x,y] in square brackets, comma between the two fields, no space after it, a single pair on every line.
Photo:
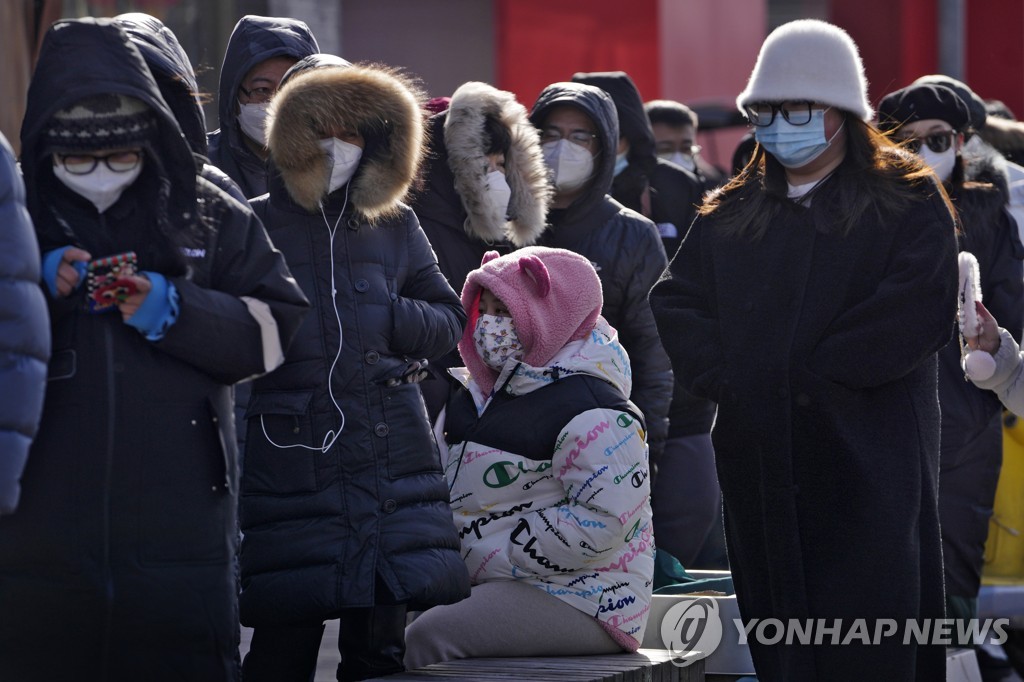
[820,350]
[124,544]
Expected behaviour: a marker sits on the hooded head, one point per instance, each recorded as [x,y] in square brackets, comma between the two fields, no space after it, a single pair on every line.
[553,296]
[380,103]
[91,87]
[171,68]
[809,60]
[476,109]
[254,40]
[599,107]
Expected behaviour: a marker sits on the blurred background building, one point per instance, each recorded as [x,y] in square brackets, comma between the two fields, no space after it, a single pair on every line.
[696,51]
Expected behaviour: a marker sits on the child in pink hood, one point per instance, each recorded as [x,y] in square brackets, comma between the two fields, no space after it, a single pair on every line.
[546,460]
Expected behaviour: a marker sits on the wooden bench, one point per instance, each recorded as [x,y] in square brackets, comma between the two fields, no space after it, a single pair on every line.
[647,665]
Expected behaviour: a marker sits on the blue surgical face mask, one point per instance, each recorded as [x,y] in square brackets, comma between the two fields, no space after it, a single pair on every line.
[620,163]
[795,146]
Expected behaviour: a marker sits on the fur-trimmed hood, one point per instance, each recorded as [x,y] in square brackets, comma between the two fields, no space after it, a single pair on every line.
[466,144]
[381,103]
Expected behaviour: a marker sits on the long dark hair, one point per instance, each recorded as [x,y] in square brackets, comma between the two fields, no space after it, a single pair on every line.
[874,176]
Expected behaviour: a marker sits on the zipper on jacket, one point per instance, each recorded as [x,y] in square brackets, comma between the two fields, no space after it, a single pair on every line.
[108,469]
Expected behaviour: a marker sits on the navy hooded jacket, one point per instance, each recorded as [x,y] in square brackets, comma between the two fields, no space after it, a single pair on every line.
[254,40]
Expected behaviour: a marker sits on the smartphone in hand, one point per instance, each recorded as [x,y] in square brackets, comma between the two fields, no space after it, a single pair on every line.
[107,282]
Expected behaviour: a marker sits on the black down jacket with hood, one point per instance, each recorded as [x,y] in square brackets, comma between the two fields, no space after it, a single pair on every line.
[254,40]
[665,193]
[624,247]
[125,538]
[342,488]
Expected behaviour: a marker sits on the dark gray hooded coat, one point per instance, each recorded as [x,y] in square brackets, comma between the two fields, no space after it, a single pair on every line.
[625,248]
[254,40]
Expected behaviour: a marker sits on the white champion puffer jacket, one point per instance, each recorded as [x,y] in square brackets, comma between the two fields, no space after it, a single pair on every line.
[577,526]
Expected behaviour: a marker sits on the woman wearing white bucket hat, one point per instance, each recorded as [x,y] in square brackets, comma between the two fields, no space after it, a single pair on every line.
[808,300]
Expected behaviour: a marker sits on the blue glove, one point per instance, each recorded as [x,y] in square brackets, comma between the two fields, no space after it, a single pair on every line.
[51,263]
[159,310]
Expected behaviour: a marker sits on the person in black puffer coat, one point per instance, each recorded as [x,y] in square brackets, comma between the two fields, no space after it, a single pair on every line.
[344,509]
[485,187]
[579,135]
[124,543]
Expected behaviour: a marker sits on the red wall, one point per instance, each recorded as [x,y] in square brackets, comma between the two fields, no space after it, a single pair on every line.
[898,40]
[539,42]
[995,51]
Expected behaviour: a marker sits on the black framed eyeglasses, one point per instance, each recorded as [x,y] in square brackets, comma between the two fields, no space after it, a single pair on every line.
[83,164]
[580,137]
[795,112]
[937,142]
[257,95]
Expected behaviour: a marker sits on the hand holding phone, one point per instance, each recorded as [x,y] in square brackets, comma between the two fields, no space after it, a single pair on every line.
[109,281]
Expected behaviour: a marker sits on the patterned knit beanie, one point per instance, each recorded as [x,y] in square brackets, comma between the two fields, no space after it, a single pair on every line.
[809,60]
[553,295]
[107,121]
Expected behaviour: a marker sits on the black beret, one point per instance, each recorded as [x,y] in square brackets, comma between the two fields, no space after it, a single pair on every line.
[922,101]
[975,105]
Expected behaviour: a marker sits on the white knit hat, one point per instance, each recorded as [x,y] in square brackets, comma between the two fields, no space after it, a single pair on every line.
[811,60]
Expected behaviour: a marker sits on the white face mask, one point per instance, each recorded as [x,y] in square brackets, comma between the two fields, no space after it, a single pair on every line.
[343,159]
[941,163]
[497,193]
[103,187]
[571,164]
[253,120]
[496,340]
[680,159]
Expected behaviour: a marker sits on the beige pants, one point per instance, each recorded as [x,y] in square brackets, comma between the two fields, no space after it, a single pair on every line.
[503,619]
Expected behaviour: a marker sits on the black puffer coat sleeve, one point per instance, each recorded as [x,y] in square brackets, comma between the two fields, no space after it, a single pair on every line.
[216,330]
[638,332]
[428,314]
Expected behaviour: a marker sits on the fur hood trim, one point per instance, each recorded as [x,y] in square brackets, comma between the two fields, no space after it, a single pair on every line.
[379,102]
[525,171]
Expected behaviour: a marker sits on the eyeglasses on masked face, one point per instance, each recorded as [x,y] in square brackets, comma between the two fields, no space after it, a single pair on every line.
[257,95]
[83,164]
[795,112]
[937,142]
[579,137]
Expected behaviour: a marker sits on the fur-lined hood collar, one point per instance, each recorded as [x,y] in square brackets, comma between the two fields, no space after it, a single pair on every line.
[382,104]
[525,172]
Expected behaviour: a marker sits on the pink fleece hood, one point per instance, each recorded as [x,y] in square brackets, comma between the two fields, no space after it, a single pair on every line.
[553,295]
